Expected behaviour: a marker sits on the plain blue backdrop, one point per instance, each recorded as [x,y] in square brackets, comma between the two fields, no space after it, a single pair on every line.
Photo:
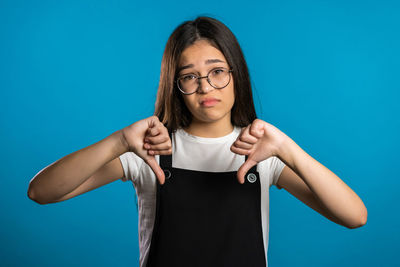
[326,73]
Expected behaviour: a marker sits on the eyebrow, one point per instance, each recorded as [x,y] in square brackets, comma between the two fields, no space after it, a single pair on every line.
[208,61]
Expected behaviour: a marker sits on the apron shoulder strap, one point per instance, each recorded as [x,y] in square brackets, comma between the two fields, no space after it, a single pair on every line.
[254,168]
[166,160]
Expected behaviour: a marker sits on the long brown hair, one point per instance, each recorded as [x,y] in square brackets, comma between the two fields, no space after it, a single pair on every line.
[170,107]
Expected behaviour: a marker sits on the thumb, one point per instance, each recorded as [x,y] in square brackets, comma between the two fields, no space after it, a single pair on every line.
[249,163]
[156,169]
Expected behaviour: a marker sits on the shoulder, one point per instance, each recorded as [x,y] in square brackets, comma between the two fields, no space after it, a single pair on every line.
[271,168]
[131,158]
[131,164]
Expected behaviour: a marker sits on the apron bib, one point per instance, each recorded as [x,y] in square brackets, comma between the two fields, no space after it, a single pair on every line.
[207,219]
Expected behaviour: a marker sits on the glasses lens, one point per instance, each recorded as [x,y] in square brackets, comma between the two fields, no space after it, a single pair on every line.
[219,78]
[188,83]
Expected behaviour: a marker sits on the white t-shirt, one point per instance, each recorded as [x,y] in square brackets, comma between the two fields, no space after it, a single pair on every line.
[194,153]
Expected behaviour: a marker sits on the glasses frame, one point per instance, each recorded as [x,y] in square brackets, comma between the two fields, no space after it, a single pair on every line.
[201,77]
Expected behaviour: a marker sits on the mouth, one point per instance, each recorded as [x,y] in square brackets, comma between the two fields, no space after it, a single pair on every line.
[209,102]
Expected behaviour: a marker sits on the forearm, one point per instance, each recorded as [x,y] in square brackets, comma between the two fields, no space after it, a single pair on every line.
[338,198]
[67,173]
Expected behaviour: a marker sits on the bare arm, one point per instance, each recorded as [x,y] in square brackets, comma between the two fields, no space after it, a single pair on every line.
[305,178]
[98,164]
[334,196]
[78,171]
[293,184]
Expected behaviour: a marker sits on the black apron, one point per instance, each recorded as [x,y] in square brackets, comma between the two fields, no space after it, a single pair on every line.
[207,219]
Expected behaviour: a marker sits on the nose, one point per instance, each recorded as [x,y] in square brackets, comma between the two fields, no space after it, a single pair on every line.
[204,85]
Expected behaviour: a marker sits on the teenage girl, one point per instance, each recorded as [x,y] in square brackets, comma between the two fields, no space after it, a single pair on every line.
[203,164]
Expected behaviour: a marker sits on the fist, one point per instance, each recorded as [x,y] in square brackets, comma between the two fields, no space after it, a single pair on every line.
[147,138]
[259,141]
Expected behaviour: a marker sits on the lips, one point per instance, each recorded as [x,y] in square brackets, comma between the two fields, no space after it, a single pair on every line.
[209,102]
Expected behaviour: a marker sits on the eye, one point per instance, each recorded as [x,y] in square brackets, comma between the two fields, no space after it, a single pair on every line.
[217,71]
[188,77]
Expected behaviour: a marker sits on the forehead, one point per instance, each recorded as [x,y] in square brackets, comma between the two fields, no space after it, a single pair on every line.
[199,52]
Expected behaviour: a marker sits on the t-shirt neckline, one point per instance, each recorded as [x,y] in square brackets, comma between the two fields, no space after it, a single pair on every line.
[208,140]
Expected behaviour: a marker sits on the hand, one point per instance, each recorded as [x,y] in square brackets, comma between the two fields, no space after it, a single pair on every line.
[147,138]
[259,140]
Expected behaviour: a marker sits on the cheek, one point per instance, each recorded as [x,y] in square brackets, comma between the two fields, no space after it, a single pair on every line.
[189,102]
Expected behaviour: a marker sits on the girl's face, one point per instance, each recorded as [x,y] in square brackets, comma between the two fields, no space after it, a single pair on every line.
[207,104]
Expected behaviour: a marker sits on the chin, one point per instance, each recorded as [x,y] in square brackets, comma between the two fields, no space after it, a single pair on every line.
[210,116]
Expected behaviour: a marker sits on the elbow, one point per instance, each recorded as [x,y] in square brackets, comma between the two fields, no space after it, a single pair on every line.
[362,220]
[33,196]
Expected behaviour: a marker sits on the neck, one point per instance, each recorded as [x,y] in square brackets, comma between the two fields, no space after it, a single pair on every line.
[210,129]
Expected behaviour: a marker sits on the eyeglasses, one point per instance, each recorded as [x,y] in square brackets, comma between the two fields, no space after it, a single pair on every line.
[218,78]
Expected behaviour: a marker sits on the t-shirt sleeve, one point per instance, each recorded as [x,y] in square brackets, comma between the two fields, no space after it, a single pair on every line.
[131,164]
[276,167]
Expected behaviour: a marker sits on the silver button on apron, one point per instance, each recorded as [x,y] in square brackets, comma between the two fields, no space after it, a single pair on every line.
[251,177]
[167,174]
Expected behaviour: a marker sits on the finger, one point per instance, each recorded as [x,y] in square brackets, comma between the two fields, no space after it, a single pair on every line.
[257,128]
[244,145]
[155,126]
[160,152]
[153,121]
[163,146]
[156,169]
[249,163]
[247,137]
[161,138]
[240,151]
[242,130]
[153,131]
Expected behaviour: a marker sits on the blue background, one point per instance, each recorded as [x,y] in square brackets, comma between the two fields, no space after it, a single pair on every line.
[72,72]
